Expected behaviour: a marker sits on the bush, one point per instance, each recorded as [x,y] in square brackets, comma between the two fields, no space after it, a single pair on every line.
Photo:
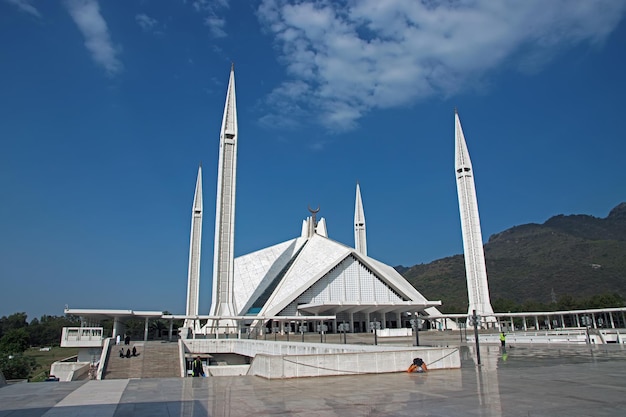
[16,366]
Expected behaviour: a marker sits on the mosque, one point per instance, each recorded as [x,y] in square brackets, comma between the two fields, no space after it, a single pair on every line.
[311,282]
[313,275]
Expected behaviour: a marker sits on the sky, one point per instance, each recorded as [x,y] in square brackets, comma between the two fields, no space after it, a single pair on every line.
[108,108]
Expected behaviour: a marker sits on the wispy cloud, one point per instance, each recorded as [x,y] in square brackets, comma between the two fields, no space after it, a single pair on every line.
[25,6]
[211,10]
[148,24]
[216,25]
[86,15]
[346,58]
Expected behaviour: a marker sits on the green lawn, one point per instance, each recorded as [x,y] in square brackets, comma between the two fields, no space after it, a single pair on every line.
[45,360]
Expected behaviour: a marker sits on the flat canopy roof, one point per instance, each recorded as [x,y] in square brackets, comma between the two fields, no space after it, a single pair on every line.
[365,307]
[111,313]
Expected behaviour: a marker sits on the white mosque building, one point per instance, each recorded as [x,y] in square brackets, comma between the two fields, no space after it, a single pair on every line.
[311,281]
[308,276]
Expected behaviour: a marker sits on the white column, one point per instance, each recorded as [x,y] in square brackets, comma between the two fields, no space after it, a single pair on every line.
[145,330]
[116,324]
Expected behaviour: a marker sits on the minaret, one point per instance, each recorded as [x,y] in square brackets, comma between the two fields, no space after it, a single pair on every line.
[195,242]
[475,269]
[223,258]
[360,238]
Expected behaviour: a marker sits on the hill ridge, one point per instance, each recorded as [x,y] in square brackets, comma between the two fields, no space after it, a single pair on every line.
[568,255]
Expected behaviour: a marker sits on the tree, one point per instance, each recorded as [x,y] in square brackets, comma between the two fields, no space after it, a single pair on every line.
[14,321]
[14,341]
[16,366]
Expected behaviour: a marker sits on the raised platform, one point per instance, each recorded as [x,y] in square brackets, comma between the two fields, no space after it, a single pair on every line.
[295,359]
[526,381]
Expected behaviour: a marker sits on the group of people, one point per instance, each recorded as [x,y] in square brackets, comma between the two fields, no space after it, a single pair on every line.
[126,339]
[128,353]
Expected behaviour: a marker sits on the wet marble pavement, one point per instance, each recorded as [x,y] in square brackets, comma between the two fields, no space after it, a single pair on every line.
[523,381]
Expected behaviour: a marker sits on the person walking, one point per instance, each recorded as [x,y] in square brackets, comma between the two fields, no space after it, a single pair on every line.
[503,340]
[197,367]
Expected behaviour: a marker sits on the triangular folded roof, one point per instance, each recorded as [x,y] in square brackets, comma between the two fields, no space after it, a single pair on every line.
[269,280]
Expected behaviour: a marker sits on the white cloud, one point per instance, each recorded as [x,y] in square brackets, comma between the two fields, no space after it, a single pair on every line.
[147,23]
[216,25]
[211,9]
[25,6]
[349,57]
[86,15]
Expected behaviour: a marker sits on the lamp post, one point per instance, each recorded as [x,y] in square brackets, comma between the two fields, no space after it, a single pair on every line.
[343,327]
[375,325]
[416,323]
[475,319]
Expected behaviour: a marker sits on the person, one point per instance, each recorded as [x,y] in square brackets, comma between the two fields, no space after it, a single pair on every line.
[418,365]
[197,367]
[121,353]
[127,340]
[134,351]
[117,339]
[128,353]
[503,340]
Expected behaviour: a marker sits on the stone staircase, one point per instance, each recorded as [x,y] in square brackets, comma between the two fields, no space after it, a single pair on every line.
[155,359]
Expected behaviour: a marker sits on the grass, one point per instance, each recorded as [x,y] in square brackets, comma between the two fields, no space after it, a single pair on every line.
[45,359]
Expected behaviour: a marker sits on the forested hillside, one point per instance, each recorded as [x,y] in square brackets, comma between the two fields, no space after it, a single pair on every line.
[567,258]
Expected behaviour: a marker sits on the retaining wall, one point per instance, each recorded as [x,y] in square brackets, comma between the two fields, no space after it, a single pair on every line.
[292,360]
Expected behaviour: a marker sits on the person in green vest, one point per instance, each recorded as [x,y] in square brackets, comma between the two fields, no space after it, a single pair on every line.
[503,340]
[197,367]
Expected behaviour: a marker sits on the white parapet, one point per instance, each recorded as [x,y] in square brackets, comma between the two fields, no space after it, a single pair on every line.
[82,337]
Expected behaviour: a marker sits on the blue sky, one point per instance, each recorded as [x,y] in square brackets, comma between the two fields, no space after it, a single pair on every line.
[107,108]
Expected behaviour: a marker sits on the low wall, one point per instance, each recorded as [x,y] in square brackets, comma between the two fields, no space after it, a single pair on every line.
[251,347]
[394,332]
[292,360]
[69,371]
[554,336]
[229,370]
[296,366]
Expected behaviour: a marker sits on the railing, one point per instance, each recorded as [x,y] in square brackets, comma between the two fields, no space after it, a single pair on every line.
[82,337]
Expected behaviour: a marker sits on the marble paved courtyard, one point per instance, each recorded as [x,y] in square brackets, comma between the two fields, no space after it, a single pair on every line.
[523,381]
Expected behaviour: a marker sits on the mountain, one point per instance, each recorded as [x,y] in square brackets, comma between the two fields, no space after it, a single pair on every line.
[575,255]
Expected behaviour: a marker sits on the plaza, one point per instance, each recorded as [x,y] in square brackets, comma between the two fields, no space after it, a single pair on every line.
[537,380]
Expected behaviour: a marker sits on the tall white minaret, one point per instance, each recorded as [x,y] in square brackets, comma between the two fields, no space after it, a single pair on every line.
[475,269]
[223,258]
[360,238]
[195,242]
